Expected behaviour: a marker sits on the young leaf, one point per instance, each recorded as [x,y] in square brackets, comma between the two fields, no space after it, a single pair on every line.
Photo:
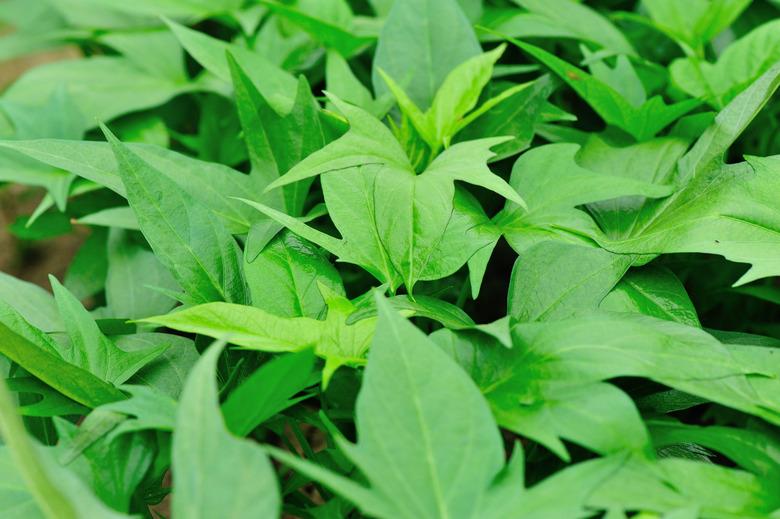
[217,473]
[420,43]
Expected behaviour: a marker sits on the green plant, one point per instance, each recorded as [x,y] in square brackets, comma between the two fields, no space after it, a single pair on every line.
[399,259]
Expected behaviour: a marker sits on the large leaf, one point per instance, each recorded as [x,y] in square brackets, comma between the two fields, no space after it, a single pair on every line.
[425,207]
[217,473]
[452,471]
[197,249]
[102,87]
[553,280]
[552,183]
[709,213]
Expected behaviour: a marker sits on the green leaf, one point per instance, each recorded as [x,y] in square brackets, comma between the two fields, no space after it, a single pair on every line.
[57,492]
[210,183]
[421,42]
[679,485]
[101,87]
[134,279]
[335,340]
[553,280]
[114,465]
[736,68]
[694,24]
[532,387]
[369,159]
[277,142]
[75,383]
[641,122]
[399,400]
[754,450]
[90,349]
[596,415]
[653,291]
[551,198]
[517,115]
[35,304]
[217,472]
[341,37]
[268,391]
[197,249]
[709,214]
[572,19]
[341,82]
[283,279]
[276,85]
[457,96]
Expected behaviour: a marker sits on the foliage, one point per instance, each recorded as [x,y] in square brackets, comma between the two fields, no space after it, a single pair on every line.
[394,258]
